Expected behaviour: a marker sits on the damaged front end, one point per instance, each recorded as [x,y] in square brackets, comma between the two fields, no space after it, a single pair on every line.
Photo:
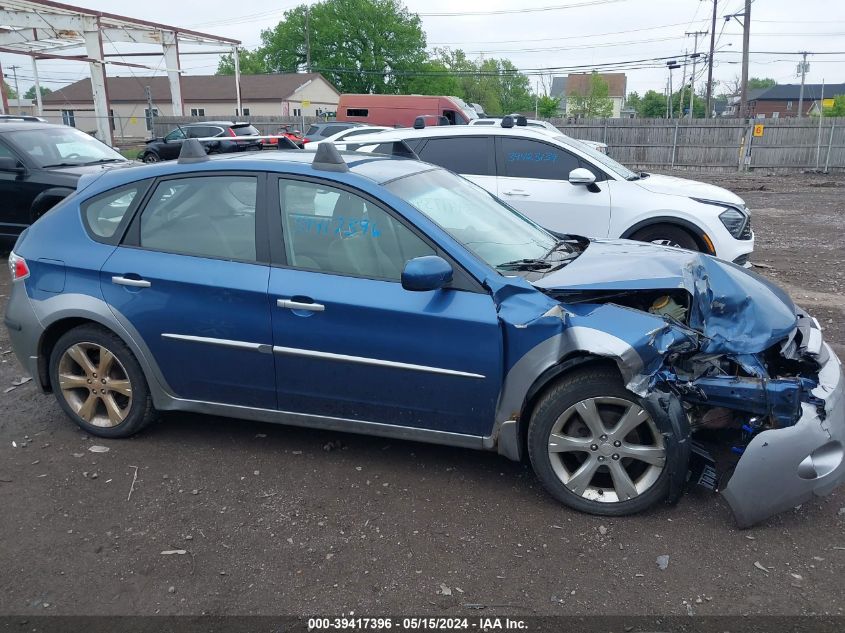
[762,392]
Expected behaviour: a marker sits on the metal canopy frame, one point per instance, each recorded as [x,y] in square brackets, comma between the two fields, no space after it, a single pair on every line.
[42,29]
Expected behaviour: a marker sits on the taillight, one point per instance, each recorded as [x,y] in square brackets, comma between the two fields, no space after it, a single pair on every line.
[232,132]
[17,267]
[305,140]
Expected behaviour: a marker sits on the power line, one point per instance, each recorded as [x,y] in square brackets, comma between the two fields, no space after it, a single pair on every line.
[460,14]
[557,39]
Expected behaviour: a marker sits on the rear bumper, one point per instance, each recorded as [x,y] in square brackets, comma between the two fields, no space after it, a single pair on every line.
[782,468]
[24,328]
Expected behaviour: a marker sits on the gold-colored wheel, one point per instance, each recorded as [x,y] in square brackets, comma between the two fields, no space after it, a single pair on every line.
[95,384]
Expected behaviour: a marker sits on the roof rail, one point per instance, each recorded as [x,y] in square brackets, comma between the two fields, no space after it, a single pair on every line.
[192,152]
[327,158]
[514,119]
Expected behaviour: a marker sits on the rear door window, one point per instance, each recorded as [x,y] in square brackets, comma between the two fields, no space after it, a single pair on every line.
[471,155]
[204,216]
[527,158]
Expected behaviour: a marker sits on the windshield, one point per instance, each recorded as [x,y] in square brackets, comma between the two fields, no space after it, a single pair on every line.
[469,112]
[494,232]
[602,159]
[61,146]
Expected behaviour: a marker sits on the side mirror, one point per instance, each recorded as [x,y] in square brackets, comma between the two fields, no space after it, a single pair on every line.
[426,273]
[582,176]
[7,163]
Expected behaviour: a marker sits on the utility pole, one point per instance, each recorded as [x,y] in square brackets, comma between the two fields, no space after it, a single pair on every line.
[17,90]
[696,34]
[710,63]
[4,103]
[803,67]
[746,38]
[671,65]
[683,85]
[307,42]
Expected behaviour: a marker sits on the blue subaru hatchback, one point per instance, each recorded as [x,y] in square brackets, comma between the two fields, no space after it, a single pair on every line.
[381,295]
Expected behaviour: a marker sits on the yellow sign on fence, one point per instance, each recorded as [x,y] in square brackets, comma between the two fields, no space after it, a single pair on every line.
[758,129]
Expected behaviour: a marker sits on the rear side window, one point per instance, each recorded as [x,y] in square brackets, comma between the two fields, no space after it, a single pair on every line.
[246,130]
[462,155]
[527,158]
[108,212]
[211,216]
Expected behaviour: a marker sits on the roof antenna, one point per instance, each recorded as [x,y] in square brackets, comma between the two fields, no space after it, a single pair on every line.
[192,152]
[328,158]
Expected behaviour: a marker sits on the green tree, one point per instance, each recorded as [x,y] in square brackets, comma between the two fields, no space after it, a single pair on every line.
[680,103]
[434,79]
[756,83]
[30,94]
[838,107]
[634,101]
[548,107]
[594,102]
[364,46]
[511,87]
[251,63]
[9,91]
[652,105]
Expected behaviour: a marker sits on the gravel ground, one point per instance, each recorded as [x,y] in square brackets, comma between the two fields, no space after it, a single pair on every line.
[278,520]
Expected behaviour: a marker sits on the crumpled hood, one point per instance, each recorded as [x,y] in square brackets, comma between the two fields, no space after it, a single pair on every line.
[737,311]
[673,186]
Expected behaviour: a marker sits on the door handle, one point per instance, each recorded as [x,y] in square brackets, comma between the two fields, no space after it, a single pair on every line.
[126,281]
[298,305]
[517,192]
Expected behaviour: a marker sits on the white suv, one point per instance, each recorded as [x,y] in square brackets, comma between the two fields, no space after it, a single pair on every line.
[547,127]
[573,189]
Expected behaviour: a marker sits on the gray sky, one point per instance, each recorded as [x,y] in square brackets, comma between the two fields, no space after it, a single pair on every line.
[605,31]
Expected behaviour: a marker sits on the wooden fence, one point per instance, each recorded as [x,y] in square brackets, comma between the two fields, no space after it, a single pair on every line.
[718,144]
[714,144]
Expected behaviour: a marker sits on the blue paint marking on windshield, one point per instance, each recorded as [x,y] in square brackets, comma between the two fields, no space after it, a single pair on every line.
[343,227]
[532,156]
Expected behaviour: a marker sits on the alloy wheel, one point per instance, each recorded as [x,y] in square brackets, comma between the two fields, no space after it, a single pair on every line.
[150,158]
[665,242]
[606,449]
[95,384]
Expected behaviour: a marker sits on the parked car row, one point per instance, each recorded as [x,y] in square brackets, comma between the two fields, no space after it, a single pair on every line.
[408,302]
[569,188]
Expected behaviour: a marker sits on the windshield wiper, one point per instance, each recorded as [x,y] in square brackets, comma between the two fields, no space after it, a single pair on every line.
[62,165]
[104,160]
[526,264]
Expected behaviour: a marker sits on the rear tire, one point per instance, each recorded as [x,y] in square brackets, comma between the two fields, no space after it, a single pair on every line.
[99,383]
[595,448]
[150,157]
[667,235]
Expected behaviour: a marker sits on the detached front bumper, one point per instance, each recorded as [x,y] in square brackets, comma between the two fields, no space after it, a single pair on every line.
[782,468]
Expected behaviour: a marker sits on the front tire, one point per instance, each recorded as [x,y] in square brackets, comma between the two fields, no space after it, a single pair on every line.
[595,447]
[667,235]
[151,157]
[99,383]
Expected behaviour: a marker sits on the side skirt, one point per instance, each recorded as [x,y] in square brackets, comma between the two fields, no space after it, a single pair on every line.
[329,423]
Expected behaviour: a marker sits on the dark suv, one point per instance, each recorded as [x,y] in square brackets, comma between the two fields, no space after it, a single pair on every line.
[319,131]
[40,164]
[218,137]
